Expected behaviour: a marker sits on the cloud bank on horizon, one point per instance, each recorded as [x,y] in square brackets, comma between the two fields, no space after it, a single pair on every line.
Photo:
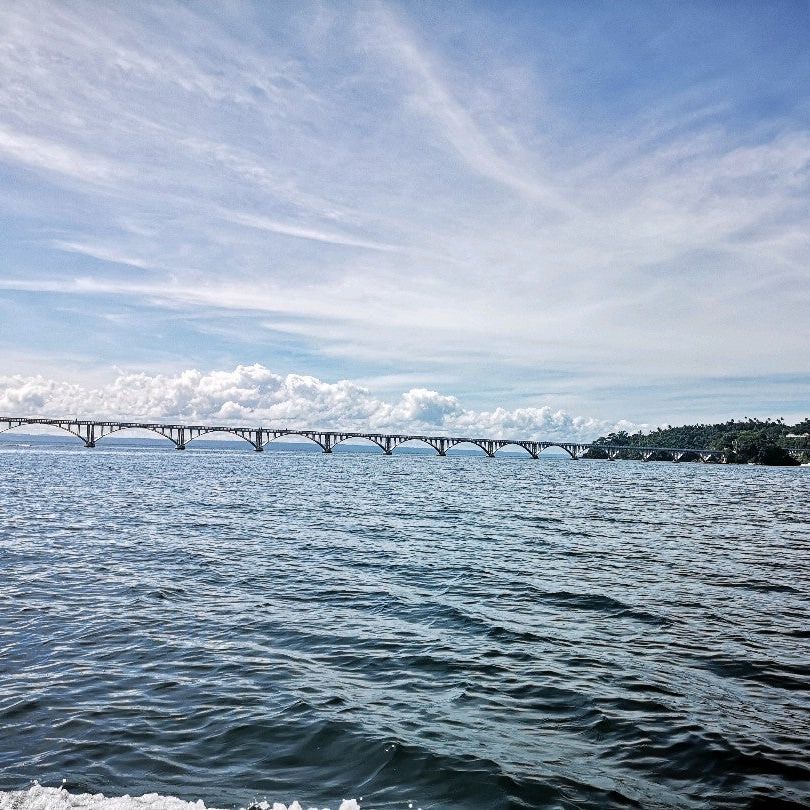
[601,208]
[253,395]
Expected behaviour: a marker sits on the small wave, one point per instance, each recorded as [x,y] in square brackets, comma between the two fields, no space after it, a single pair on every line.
[38,797]
[601,603]
[753,585]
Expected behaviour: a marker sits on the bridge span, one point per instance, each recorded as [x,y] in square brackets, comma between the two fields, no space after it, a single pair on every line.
[91,431]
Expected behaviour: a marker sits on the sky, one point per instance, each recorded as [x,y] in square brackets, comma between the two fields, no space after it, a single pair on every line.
[542,218]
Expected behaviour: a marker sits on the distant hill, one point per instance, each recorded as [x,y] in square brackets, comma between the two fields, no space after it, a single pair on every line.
[743,441]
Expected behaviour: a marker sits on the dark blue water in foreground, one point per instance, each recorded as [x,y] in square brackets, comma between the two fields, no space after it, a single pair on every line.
[456,633]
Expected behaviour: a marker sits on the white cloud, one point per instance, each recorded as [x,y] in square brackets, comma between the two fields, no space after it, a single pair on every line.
[252,395]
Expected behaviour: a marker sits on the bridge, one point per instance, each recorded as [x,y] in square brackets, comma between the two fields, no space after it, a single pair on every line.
[91,431]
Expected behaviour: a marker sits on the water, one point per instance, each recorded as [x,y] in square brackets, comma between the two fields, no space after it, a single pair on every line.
[452,633]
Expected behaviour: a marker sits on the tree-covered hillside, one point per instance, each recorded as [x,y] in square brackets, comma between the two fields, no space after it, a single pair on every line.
[747,440]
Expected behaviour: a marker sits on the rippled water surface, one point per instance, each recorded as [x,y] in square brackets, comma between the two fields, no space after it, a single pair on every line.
[456,633]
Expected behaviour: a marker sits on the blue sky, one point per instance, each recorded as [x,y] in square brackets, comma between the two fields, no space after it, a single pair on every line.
[595,209]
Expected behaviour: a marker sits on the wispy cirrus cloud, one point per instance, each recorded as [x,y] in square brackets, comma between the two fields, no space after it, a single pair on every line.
[393,43]
[56,158]
[101,253]
[301,232]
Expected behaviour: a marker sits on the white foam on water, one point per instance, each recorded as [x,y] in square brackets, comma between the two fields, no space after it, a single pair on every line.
[38,797]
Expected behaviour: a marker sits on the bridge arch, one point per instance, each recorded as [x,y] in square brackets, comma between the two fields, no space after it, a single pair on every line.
[422,440]
[515,444]
[198,434]
[554,444]
[42,425]
[293,435]
[473,442]
[108,431]
[364,439]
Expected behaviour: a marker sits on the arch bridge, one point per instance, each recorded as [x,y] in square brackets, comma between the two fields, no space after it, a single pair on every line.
[90,431]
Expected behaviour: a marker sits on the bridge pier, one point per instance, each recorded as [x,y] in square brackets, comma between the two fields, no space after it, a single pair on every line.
[180,434]
[89,435]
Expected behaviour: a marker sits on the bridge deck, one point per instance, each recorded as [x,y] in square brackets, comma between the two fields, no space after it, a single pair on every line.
[92,430]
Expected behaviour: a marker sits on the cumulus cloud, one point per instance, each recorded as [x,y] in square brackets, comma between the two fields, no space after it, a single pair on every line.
[250,395]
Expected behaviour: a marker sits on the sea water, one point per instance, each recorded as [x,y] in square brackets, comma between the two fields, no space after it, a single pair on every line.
[400,631]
